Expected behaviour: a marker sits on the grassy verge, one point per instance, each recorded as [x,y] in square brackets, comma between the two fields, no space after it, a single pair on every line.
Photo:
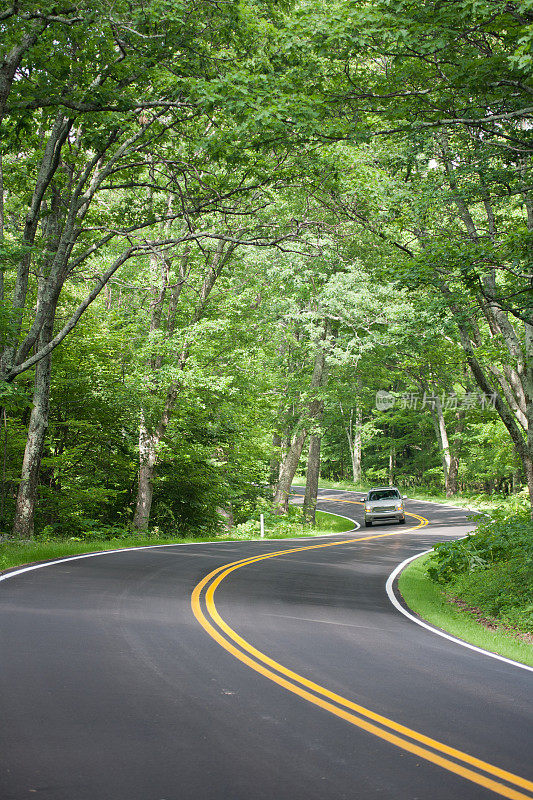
[14,554]
[429,601]
[330,523]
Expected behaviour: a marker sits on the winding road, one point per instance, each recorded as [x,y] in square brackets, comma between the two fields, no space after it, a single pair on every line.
[270,670]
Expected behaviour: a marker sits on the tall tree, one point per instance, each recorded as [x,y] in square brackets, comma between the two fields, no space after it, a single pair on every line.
[122,103]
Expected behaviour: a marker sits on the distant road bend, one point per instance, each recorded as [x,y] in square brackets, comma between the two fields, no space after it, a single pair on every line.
[276,670]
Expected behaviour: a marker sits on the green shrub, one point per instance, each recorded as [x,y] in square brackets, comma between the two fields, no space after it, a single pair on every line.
[281,525]
[494,540]
[88,530]
[491,570]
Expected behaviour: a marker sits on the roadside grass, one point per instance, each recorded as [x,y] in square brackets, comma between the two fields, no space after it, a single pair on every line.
[429,601]
[15,554]
[333,524]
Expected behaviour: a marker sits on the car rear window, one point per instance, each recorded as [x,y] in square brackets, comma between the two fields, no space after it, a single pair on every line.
[384,494]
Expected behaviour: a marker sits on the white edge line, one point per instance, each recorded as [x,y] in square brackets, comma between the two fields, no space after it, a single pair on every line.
[333,514]
[32,567]
[399,607]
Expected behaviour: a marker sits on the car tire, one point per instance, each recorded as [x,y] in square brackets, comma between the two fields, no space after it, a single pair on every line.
[401,521]
[368,523]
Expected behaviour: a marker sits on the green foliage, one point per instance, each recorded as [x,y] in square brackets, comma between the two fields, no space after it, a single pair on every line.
[289,524]
[495,540]
[89,530]
[504,592]
[491,570]
[186,496]
[263,121]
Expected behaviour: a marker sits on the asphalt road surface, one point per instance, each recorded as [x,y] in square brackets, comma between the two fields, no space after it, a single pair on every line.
[287,677]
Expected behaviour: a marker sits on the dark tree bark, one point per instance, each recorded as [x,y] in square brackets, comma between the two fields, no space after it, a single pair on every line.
[353,435]
[145,487]
[392,464]
[31,465]
[357,449]
[510,418]
[312,476]
[288,471]
[450,461]
[226,514]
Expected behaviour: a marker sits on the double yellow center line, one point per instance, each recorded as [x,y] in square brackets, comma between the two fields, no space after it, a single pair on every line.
[473,769]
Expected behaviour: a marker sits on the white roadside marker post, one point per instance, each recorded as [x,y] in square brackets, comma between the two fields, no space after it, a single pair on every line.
[262,521]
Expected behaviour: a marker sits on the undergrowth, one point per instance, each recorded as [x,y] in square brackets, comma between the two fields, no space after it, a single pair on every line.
[46,546]
[491,570]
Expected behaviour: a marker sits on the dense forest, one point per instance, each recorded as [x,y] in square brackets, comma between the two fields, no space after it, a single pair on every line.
[244,241]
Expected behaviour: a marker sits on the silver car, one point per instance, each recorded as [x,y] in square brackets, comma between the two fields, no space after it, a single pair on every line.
[384,502]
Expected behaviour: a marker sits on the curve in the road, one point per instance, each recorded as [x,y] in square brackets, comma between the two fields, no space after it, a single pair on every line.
[449,758]
[111,689]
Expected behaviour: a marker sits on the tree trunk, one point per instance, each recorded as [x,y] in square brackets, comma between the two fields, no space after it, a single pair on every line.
[226,513]
[450,463]
[357,449]
[514,425]
[453,473]
[392,464]
[314,409]
[287,472]
[353,435]
[528,380]
[3,422]
[524,447]
[311,482]
[11,60]
[31,465]
[275,460]
[147,458]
